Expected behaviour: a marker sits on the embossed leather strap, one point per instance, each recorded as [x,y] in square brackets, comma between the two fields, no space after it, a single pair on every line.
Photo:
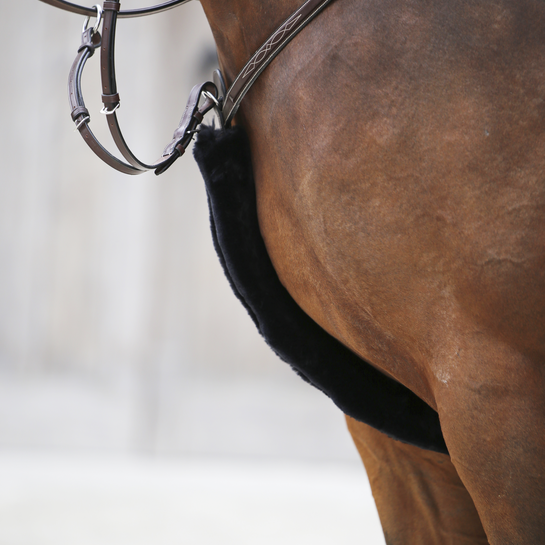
[267,52]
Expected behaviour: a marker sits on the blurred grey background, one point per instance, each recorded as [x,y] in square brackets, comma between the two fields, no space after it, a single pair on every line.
[119,336]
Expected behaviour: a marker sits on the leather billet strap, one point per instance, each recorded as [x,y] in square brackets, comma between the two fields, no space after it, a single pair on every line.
[191,118]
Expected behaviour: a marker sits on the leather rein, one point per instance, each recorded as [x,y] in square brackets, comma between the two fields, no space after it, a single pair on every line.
[203,97]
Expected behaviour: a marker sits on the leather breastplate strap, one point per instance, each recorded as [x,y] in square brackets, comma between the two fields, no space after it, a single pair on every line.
[183,135]
[202,99]
[267,52]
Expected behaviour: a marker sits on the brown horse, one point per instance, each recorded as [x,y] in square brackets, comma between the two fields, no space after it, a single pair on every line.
[399,156]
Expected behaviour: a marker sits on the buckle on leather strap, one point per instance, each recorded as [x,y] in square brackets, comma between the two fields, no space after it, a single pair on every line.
[81,122]
[109,112]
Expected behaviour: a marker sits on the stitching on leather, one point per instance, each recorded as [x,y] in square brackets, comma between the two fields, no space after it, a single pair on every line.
[269,44]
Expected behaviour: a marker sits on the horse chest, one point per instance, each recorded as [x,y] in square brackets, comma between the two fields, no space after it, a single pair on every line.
[358,285]
[406,272]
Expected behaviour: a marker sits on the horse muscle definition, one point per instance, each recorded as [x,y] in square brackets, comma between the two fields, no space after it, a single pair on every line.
[399,157]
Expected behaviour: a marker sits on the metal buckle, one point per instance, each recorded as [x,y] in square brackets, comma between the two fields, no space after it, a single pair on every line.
[98,9]
[81,122]
[109,112]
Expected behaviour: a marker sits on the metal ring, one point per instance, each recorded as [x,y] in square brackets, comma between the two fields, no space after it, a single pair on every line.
[209,95]
[98,9]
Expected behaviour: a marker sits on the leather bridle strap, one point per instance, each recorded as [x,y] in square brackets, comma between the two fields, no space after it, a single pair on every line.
[226,103]
[91,12]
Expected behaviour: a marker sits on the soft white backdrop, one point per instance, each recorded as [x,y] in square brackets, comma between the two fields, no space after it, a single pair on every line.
[122,349]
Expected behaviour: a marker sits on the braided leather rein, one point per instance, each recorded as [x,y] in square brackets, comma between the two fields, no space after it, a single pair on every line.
[203,97]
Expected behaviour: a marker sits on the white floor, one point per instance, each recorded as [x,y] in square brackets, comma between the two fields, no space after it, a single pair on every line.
[58,499]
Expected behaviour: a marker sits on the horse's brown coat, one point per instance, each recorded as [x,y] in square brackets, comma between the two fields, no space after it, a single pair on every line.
[399,158]
[419,495]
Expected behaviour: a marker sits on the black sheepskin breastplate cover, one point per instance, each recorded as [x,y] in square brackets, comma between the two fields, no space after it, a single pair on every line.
[356,387]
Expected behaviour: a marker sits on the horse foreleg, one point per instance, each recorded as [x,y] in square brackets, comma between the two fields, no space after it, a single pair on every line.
[492,410]
[419,496]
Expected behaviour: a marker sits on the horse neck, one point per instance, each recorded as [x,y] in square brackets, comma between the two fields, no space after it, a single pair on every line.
[241,26]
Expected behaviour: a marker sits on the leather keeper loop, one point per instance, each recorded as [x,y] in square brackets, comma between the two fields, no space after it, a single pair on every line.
[108,100]
[76,112]
[111,6]
[90,40]
[198,116]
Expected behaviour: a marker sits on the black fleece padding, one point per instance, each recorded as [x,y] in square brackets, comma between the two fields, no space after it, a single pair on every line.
[356,387]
